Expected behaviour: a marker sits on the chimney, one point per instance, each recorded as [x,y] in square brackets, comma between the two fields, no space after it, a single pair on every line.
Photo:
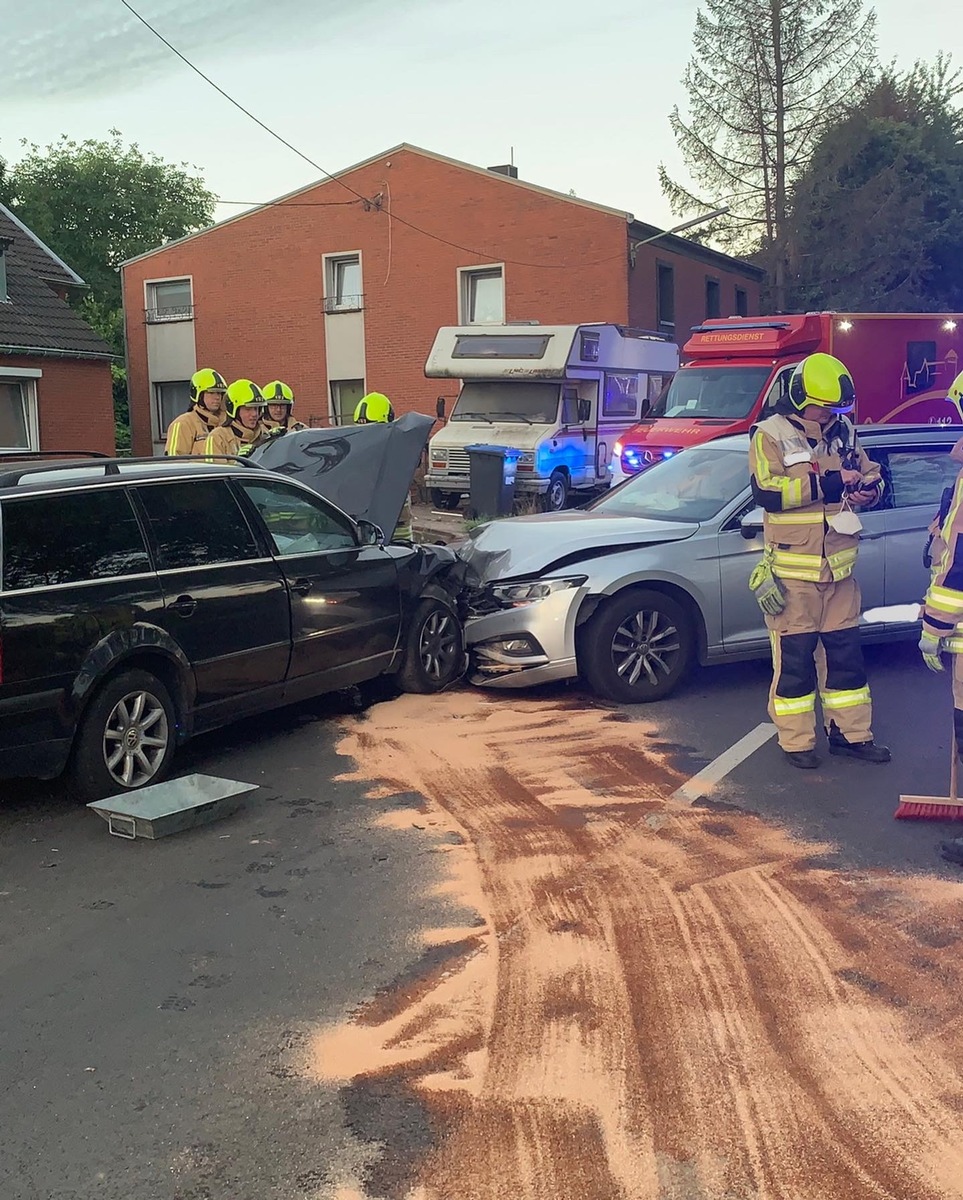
[508,169]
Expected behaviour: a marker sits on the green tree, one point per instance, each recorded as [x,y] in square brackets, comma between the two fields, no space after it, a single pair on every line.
[766,78]
[877,217]
[96,204]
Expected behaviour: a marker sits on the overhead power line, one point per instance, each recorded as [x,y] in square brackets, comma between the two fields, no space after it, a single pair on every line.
[482,254]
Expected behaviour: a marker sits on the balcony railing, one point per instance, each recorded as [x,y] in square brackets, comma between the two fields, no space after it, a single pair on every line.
[342,304]
[174,312]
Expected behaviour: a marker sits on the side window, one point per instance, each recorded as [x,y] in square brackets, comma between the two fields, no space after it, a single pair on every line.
[621,395]
[71,538]
[299,524]
[918,477]
[196,524]
[569,406]
[777,389]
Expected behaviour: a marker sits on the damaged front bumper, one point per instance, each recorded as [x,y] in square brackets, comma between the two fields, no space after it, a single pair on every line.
[517,637]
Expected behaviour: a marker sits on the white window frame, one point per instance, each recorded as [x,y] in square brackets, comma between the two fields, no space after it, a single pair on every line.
[150,309]
[465,276]
[27,378]
[331,262]
[157,414]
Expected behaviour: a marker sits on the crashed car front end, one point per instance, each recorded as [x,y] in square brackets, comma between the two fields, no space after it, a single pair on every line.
[522,632]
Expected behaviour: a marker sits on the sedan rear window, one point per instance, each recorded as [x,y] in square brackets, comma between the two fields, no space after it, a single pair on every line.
[70,538]
[691,486]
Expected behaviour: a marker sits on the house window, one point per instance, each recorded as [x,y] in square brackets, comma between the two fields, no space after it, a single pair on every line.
[665,298]
[18,415]
[170,300]
[742,302]
[482,299]
[342,284]
[170,400]
[713,298]
[345,394]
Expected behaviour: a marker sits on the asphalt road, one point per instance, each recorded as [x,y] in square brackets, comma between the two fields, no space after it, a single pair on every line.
[156,995]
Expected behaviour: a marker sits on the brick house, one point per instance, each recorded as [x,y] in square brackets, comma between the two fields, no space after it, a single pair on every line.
[55,379]
[338,288]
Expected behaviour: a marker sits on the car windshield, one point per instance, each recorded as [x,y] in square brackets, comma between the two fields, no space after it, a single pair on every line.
[524,403]
[728,392]
[691,486]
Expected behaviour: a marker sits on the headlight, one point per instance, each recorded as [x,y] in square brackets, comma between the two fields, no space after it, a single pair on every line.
[439,455]
[527,457]
[518,595]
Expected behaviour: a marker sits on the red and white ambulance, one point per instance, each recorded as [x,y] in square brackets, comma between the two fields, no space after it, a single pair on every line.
[735,370]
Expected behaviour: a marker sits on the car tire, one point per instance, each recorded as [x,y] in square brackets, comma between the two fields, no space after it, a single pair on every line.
[134,705]
[434,649]
[556,496]
[446,501]
[637,648]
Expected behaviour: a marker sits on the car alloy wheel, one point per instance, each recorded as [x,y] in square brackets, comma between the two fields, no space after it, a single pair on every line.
[648,643]
[136,739]
[438,644]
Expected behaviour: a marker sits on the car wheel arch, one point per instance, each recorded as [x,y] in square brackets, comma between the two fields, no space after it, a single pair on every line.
[674,591]
[145,648]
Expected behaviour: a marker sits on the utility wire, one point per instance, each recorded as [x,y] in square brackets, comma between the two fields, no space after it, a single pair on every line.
[483,254]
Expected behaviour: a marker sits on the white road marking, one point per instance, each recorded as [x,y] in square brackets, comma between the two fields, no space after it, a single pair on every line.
[696,787]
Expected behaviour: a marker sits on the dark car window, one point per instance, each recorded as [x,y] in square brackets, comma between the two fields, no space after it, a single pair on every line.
[299,524]
[197,523]
[918,475]
[71,538]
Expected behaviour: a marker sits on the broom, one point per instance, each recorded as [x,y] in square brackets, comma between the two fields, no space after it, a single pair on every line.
[935,808]
[922,808]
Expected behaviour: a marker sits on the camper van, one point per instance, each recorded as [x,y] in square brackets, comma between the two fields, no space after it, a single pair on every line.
[560,395]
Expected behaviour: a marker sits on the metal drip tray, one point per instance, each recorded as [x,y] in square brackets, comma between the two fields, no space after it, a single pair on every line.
[172,807]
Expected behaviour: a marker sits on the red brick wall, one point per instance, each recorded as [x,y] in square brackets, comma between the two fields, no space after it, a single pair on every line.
[690,290]
[74,400]
[258,284]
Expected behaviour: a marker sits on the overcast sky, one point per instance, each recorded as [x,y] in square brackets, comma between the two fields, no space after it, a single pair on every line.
[581,91]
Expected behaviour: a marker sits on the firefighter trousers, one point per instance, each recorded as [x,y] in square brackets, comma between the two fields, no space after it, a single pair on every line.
[820,621]
[958,701]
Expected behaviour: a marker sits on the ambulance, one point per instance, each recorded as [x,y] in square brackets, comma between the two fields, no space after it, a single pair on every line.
[560,396]
[736,369]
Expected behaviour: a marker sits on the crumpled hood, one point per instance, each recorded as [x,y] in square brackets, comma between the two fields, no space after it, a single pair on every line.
[527,546]
[366,470]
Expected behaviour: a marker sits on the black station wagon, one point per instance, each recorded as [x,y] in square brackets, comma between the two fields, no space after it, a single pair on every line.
[144,602]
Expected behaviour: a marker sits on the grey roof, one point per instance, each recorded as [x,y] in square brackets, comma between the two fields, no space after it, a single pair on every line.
[35,318]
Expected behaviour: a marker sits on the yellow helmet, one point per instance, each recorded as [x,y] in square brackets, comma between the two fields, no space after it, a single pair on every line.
[206,380]
[277,392]
[823,380]
[374,408]
[955,393]
[240,393]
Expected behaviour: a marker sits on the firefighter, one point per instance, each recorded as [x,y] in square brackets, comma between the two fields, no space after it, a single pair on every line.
[278,416]
[187,433]
[943,606]
[375,409]
[809,473]
[244,403]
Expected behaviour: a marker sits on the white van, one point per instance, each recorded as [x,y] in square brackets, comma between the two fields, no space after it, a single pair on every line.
[559,394]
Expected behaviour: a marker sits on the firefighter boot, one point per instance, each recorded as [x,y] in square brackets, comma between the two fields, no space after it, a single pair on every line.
[863,751]
[805,760]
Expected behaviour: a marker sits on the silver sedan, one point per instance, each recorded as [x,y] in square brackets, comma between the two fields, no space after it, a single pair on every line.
[652,579]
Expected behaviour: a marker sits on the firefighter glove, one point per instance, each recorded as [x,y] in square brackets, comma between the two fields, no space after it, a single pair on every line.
[765,587]
[931,648]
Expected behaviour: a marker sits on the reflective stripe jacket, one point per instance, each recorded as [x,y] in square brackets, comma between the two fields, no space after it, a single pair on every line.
[795,466]
[187,433]
[943,606]
[234,440]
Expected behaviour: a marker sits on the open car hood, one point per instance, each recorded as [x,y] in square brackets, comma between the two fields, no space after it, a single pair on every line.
[527,546]
[366,470]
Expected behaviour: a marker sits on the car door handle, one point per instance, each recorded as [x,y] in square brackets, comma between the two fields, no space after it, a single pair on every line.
[301,586]
[183,606]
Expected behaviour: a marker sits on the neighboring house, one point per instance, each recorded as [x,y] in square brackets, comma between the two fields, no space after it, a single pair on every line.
[56,391]
[332,290]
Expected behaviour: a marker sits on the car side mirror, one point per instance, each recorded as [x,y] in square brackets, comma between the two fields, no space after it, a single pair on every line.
[440,408]
[370,534]
[584,410]
[751,524]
